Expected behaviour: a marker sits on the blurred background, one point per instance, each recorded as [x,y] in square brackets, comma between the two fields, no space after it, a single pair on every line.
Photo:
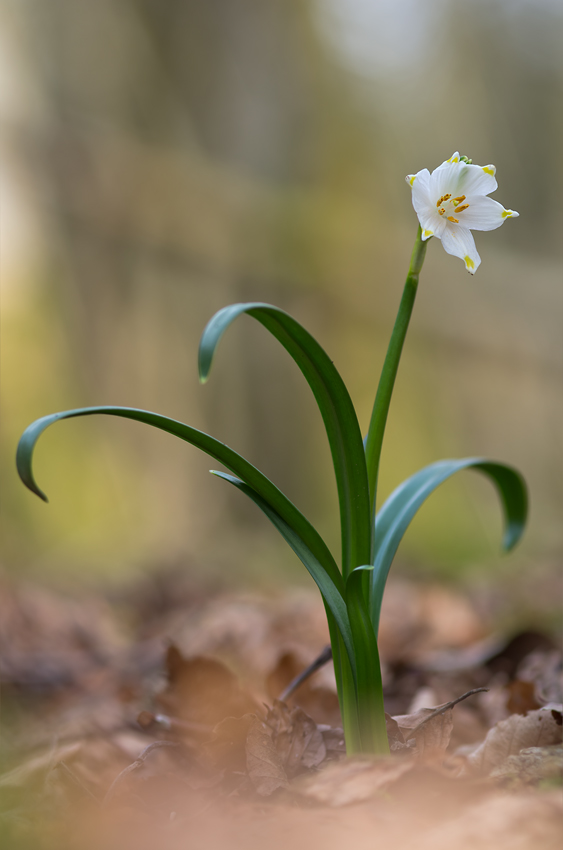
[164,159]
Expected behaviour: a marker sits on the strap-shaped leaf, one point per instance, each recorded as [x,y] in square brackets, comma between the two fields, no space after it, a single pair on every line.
[330,594]
[225,455]
[396,514]
[336,408]
[369,688]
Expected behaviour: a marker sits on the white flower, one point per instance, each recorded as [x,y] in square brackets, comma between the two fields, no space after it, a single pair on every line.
[452,201]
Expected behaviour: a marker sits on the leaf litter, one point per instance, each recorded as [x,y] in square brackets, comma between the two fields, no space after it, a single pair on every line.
[174,729]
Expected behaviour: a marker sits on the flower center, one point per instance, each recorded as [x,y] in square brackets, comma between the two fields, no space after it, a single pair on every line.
[446,204]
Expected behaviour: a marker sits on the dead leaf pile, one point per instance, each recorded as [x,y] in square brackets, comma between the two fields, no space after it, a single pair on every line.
[177,730]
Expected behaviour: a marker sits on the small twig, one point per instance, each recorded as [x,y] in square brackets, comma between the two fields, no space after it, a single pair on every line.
[443,708]
[319,662]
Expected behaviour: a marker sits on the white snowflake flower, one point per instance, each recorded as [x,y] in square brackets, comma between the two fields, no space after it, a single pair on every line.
[452,201]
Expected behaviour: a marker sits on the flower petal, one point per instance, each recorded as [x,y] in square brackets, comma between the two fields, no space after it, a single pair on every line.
[444,180]
[459,178]
[484,213]
[477,179]
[453,158]
[425,207]
[459,242]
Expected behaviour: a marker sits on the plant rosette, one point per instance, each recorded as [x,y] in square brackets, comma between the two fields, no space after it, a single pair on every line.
[449,203]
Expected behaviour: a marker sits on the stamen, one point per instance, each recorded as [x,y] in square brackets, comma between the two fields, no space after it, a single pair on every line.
[459,199]
[442,211]
[455,220]
[440,201]
[447,197]
[462,208]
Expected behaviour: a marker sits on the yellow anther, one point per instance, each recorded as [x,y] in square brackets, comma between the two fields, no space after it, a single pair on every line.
[442,211]
[439,201]
[455,220]
[459,199]
[461,208]
[446,197]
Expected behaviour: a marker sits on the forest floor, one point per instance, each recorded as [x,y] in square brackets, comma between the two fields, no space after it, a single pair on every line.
[151,718]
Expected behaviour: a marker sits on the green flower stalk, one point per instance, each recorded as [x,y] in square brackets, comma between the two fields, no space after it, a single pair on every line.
[352,591]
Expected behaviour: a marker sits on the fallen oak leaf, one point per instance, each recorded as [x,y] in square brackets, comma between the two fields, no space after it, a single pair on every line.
[298,740]
[263,762]
[431,728]
[430,731]
[394,734]
[540,728]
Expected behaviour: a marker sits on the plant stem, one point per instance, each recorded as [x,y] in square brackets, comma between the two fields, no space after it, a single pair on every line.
[374,439]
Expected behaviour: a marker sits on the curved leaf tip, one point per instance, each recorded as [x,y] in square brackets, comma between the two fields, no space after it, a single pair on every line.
[212,333]
[24,455]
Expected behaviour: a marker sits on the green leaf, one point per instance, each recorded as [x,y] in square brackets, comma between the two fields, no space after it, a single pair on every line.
[225,455]
[332,597]
[336,408]
[369,687]
[396,514]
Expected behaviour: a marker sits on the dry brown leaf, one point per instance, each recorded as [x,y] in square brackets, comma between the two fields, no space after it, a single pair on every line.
[298,740]
[532,765]
[202,690]
[249,631]
[430,731]
[353,780]
[333,737]
[537,729]
[316,695]
[521,697]
[545,671]
[263,761]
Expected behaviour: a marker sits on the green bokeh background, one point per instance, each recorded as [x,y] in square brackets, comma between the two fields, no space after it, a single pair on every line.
[162,160]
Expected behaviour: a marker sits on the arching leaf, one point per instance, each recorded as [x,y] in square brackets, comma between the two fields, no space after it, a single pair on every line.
[264,488]
[336,408]
[329,592]
[396,514]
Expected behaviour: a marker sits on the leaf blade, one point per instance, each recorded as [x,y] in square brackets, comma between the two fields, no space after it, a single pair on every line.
[398,511]
[369,687]
[332,597]
[219,451]
[336,409]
